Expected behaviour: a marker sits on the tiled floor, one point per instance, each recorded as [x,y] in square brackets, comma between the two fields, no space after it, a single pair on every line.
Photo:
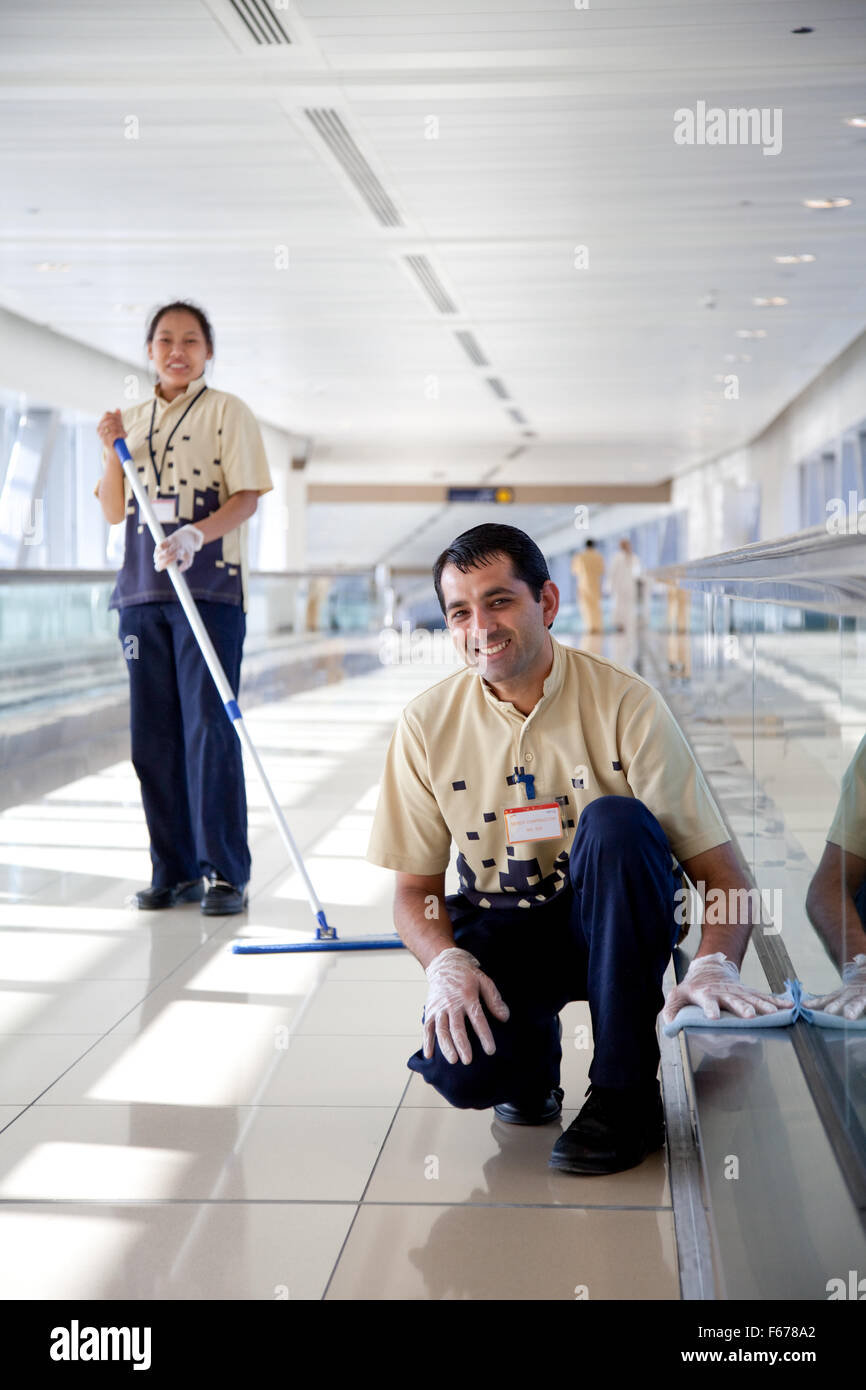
[179,1122]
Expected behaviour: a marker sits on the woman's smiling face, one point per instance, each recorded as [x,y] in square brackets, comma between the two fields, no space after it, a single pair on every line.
[178,350]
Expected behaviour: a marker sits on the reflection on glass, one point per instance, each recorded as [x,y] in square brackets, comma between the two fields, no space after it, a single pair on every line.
[836,900]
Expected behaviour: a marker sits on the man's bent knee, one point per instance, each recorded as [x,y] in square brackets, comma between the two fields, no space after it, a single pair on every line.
[472,1087]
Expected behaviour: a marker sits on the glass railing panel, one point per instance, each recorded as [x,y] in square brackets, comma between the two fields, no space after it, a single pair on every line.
[781,685]
[58,636]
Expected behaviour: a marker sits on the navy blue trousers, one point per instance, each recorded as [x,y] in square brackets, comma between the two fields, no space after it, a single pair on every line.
[606,938]
[184,746]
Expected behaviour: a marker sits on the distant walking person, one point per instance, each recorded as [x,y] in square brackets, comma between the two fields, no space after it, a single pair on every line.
[624,570]
[588,567]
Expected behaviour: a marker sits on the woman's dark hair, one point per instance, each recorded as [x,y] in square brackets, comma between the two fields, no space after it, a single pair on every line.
[183,306]
[479,545]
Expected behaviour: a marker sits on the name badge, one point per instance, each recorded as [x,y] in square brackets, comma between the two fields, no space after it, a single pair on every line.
[165,508]
[536,822]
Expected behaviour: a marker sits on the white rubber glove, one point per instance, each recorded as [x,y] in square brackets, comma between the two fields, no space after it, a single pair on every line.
[457,986]
[850,1000]
[713,982]
[182,545]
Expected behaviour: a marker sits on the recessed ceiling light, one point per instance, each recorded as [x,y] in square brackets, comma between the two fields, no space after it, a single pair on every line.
[751,332]
[826,202]
[794,260]
[53,265]
[858,121]
[775,301]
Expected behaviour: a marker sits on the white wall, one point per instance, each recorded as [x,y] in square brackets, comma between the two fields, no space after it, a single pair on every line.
[833,402]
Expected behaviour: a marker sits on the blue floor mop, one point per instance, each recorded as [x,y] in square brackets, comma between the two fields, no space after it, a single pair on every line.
[326,938]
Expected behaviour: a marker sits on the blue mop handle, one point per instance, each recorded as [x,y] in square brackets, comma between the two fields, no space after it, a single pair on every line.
[221,682]
[386,943]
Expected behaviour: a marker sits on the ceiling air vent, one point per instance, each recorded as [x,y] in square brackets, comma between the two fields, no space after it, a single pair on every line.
[330,127]
[260,20]
[497,387]
[470,347]
[431,284]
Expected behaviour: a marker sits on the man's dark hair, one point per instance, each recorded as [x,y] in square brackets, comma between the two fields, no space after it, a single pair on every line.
[482,543]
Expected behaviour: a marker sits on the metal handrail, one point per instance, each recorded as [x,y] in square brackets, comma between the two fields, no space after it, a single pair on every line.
[80,576]
[814,568]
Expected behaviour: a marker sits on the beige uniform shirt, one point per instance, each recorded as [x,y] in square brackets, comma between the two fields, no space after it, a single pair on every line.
[455,758]
[206,447]
[848,827]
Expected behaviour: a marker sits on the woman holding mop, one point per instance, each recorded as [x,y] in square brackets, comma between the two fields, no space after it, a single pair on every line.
[200,454]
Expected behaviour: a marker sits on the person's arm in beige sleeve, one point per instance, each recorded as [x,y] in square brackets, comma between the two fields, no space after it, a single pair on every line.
[245,468]
[830,904]
[243,458]
[831,909]
[409,832]
[662,772]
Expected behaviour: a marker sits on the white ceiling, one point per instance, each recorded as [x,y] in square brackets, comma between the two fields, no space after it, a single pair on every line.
[555,129]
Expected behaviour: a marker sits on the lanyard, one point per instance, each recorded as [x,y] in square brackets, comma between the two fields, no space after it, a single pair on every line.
[158,471]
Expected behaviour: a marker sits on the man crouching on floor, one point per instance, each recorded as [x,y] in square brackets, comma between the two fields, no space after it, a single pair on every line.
[574,802]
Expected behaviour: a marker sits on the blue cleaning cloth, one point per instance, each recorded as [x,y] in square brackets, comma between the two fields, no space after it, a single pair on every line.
[822,1019]
[693,1016]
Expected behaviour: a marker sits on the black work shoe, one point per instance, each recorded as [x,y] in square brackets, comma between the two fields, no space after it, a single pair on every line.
[550,1108]
[221,898]
[615,1130]
[537,1112]
[155,899]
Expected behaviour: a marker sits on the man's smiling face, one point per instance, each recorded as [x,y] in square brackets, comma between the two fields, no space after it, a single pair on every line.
[497,625]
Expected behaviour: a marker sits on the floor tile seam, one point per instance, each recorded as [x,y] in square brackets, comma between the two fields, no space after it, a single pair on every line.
[176,1201]
[11,985]
[97,1039]
[372,1170]
[181,1105]
[322,1201]
[74,1063]
[527,1206]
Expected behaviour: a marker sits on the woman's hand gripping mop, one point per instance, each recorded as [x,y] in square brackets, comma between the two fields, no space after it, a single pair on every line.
[326,938]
